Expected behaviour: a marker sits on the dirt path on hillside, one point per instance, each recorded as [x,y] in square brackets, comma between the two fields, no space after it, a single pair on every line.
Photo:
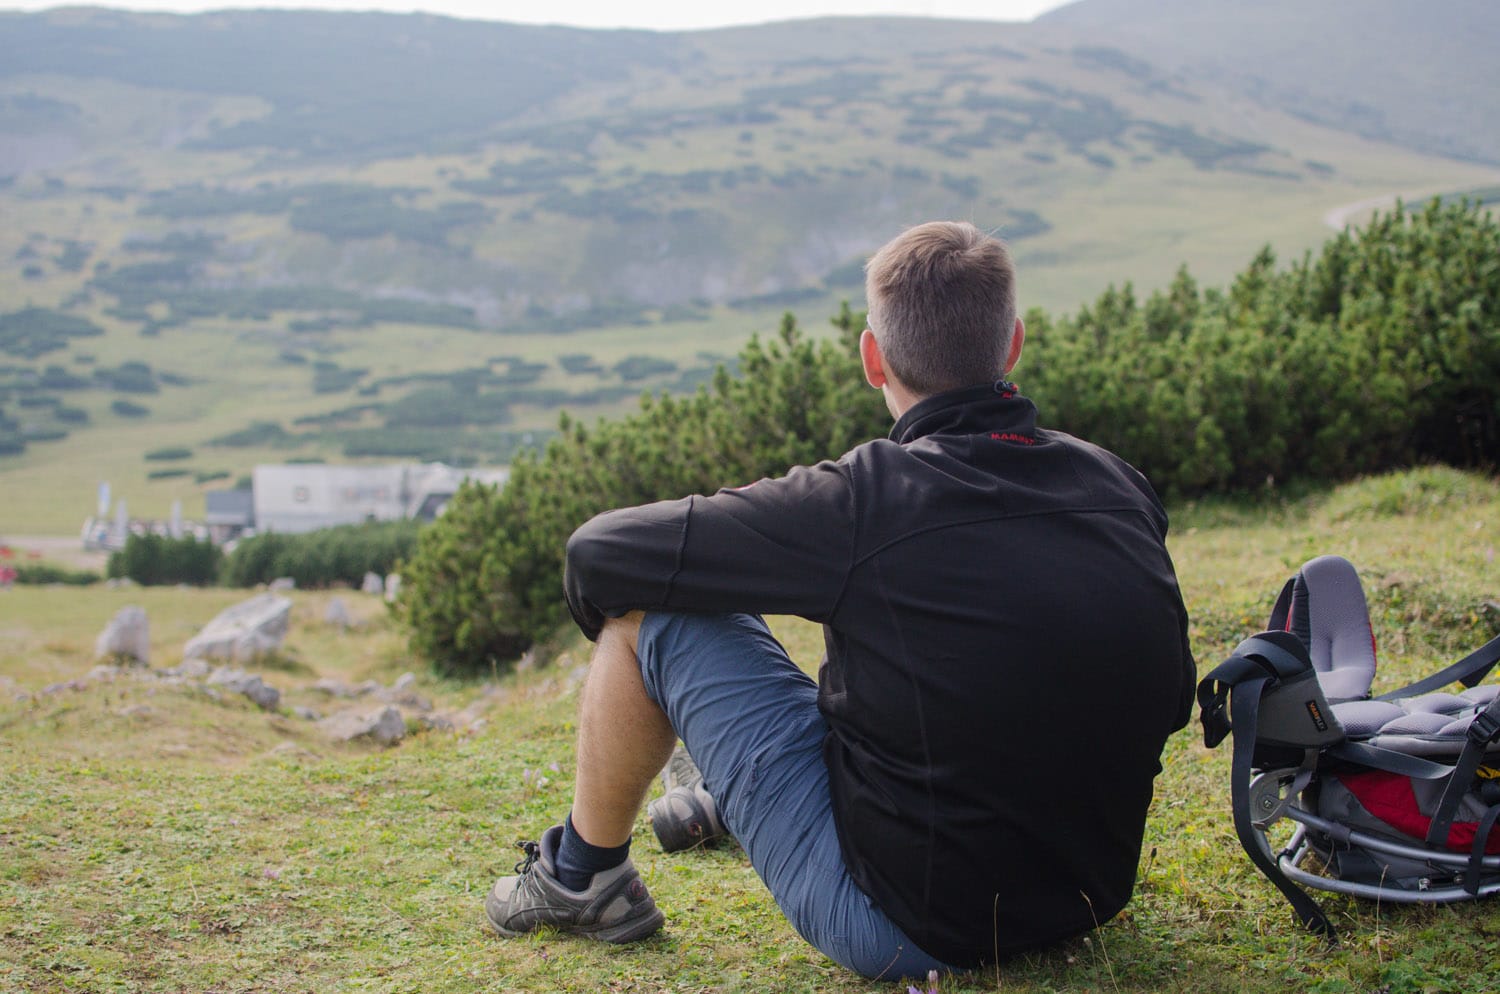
[61,550]
[1340,217]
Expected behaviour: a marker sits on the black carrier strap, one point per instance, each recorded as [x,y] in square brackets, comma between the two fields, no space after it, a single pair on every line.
[1483,731]
[1291,612]
[1257,664]
[1244,710]
[1476,853]
[1468,671]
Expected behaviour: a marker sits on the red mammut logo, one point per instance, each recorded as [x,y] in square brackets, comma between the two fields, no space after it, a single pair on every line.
[1010,436]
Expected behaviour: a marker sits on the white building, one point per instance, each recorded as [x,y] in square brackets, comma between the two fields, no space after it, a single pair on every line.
[303,497]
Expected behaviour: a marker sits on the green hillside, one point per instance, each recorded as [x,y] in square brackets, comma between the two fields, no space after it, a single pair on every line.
[157,836]
[258,236]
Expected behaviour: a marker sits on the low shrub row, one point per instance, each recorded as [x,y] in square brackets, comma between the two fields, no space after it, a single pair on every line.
[324,558]
[1382,351]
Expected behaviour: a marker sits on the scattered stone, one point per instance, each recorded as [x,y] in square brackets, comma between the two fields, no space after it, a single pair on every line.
[190,669]
[401,692]
[248,684]
[372,584]
[282,583]
[437,722]
[307,714]
[127,636]
[136,711]
[333,688]
[385,726]
[291,750]
[120,583]
[392,586]
[470,719]
[102,674]
[252,628]
[337,614]
[577,675]
[527,662]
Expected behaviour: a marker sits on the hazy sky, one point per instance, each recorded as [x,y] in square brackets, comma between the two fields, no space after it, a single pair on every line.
[658,14]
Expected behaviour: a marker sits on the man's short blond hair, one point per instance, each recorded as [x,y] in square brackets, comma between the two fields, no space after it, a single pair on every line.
[942,305]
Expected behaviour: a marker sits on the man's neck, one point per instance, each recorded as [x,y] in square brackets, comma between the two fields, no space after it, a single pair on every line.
[898,399]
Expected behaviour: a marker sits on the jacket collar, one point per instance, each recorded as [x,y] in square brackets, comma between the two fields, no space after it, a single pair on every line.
[967,411]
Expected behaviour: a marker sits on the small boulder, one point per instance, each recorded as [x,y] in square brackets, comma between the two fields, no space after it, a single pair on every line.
[373,584]
[402,692]
[250,629]
[333,688]
[392,586]
[251,686]
[282,583]
[188,669]
[385,726]
[127,637]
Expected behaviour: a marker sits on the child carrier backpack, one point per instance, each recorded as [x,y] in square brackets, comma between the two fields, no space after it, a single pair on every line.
[1394,798]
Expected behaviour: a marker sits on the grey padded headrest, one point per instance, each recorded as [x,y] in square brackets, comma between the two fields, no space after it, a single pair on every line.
[1340,640]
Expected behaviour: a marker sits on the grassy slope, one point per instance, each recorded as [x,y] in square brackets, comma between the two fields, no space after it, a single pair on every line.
[173,850]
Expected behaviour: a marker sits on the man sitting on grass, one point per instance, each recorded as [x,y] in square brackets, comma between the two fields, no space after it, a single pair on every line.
[1006,656]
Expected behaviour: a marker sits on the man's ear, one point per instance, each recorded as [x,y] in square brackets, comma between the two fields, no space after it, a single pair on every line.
[871,359]
[1017,339]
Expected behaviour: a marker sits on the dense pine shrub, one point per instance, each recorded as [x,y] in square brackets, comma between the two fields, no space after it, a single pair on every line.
[155,560]
[41,574]
[324,558]
[485,580]
[1381,351]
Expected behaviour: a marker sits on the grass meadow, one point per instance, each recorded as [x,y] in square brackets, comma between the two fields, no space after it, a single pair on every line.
[154,839]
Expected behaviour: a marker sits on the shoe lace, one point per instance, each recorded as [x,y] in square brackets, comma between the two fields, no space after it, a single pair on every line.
[533,853]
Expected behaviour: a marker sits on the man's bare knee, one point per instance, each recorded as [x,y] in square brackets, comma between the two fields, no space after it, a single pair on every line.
[620,634]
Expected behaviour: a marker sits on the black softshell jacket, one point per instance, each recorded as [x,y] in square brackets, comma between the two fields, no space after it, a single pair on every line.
[1006,655]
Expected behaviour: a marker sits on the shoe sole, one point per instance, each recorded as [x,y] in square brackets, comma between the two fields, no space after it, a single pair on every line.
[680,771]
[631,930]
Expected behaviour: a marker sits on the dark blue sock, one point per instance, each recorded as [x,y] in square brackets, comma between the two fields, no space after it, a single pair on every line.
[577,861]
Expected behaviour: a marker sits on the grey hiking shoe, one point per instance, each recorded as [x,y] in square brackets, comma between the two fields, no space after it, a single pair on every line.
[685,817]
[615,907]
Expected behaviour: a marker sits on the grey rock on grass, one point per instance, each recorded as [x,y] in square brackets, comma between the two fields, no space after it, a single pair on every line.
[248,630]
[385,726]
[126,637]
[251,686]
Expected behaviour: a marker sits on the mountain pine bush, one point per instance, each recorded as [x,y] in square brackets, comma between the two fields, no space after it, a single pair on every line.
[485,580]
[1382,351]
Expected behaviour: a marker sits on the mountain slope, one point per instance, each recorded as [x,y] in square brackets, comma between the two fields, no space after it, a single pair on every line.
[1420,75]
[255,236]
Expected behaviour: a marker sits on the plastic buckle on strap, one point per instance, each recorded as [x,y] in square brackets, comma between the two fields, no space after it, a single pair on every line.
[1215,720]
[1485,728]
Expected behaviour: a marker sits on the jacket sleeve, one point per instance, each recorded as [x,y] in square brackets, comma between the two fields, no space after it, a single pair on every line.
[780,546]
